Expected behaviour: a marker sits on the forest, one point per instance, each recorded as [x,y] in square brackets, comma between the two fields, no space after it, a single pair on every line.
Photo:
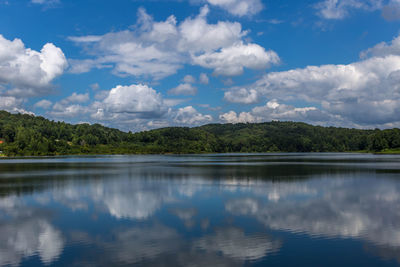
[27,135]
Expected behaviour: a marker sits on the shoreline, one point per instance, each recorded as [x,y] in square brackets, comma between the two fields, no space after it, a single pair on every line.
[389,152]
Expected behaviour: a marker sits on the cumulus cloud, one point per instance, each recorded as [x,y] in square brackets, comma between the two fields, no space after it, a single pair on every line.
[383,49]
[44,104]
[77,98]
[69,107]
[158,49]
[231,61]
[134,107]
[204,78]
[13,105]
[273,110]
[137,99]
[30,71]
[239,7]
[183,89]
[61,110]
[189,115]
[391,11]
[366,92]
[9,103]
[242,95]
[95,86]
[189,79]
[339,9]
[197,35]
[233,117]
[147,50]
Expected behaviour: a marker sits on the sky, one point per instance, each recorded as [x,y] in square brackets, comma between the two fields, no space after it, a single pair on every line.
[143,64]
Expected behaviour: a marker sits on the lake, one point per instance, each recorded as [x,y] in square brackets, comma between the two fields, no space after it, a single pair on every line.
[320,209]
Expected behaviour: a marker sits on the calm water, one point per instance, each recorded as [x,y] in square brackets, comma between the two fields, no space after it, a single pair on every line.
[208,210]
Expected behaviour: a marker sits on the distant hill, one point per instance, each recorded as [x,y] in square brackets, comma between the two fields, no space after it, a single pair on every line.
[26,135]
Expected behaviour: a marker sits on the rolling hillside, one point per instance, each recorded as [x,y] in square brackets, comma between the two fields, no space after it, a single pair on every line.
[25,135]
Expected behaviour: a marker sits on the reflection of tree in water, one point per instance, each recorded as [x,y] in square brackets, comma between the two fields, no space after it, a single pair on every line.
[39,175]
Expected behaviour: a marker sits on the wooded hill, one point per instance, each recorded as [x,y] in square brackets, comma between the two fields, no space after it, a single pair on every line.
[25,135]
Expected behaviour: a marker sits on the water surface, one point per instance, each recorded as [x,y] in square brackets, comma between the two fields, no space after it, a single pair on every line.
[205,210]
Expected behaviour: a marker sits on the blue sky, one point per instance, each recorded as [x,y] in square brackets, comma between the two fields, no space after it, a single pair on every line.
[139,65]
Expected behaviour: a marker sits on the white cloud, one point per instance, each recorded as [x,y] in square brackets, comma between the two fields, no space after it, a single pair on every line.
[339,9]
[232,117]
[30,71]
[183,89]
[231,61]
[9,103]
[366,92]
[101,95]
[391,11]
[61,110]
[239,7]
[69,107]
[138,99]
[383,49]
[189,79]
[81,66]
[44,104]
[171,102]
[77,98]
[158,49]
[13,105]
[204,78]
[85,39]
[95,86]
[189,115]
[133,106]
[273,110]
[198,36]
[148,50]
[242,95]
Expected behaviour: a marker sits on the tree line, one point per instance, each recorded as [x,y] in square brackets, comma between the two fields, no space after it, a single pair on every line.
[27,135]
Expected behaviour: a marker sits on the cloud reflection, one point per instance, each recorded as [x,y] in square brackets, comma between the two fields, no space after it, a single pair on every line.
[26,232]
[350,208]
[233,243]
